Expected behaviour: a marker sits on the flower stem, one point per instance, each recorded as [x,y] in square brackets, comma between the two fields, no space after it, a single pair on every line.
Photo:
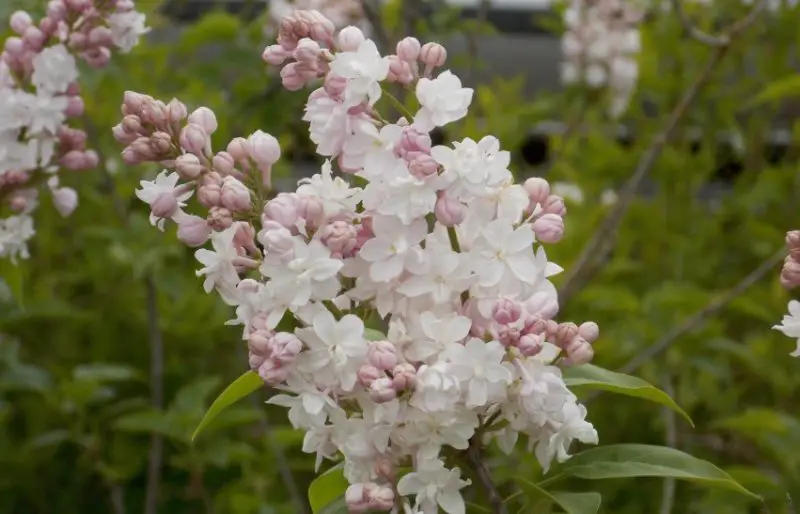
[334,309]
[453,237]
[484,477]
[398,105]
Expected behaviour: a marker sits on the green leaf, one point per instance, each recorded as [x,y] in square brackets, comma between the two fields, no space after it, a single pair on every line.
[594,377]
[326,489]
[786,87]
[370,334]
[571,503]
[241,387]
[641,460]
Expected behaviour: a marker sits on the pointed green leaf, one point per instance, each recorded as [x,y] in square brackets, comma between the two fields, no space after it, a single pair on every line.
[780,89]
[595,377]
[241,387]
[326,489]
[571,503]
[641,460]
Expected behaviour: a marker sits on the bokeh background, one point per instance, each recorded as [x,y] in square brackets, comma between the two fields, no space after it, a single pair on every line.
[111,351]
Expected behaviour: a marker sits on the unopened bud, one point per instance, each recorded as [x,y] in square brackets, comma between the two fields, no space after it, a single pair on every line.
[408,49]
[350,38]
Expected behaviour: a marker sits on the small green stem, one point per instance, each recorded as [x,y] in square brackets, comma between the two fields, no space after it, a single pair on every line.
[398,104]
[453,237]
[333,308]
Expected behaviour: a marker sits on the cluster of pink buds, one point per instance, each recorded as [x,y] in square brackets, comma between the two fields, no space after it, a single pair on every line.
[404,65]
[547,211]
[39,93]
[790,274]
[166,133]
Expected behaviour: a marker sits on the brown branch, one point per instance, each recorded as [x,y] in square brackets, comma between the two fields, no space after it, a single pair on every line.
[484,477]
[604,237]
[698,319]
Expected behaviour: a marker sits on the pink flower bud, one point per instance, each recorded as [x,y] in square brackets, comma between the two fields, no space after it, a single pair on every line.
[555,205]
[283,210]
[263,148]
[334,85]
[165,205]
[530,344]
[356,499]
[188,167]
[260,342]
[20,202]
[565,333]
[205,118]
[310,208]
[65,200]
[56,10]
[272,372]
[382,355]
[14,46]
[538,190]
[194,139]
[408,49]
[793,242]
[193,230]
[98,57]
[414,141]
[285,347]
[33,38]
[579,352]
[20,21]
[129,155]
[73,160]
[223,163]
[384,468]
[350,38]
[423,165]
[219,218]
[176,111]
[291,78]
[308,51]
[589,331]
[382,391]
[275,55]
[100,36]
[549,228]
[341,238]
[237,149]
[403,377]
[75,107]
[381,497]
[132,103]
[161,143]
[277,241]
[367,374]
[506,311]
[790,274]
[234,195]
[433,55]
[399,71]
[449,211]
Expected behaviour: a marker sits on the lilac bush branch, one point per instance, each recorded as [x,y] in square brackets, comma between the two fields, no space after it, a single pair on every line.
[475,458]
[602,241]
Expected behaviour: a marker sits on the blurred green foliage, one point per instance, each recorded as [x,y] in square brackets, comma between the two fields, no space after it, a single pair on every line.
[75,359]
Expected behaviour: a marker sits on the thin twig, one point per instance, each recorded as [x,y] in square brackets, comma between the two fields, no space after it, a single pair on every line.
[789,504]
[668,489]
[485,478]
[604,237]
[698,319]
[300,506]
